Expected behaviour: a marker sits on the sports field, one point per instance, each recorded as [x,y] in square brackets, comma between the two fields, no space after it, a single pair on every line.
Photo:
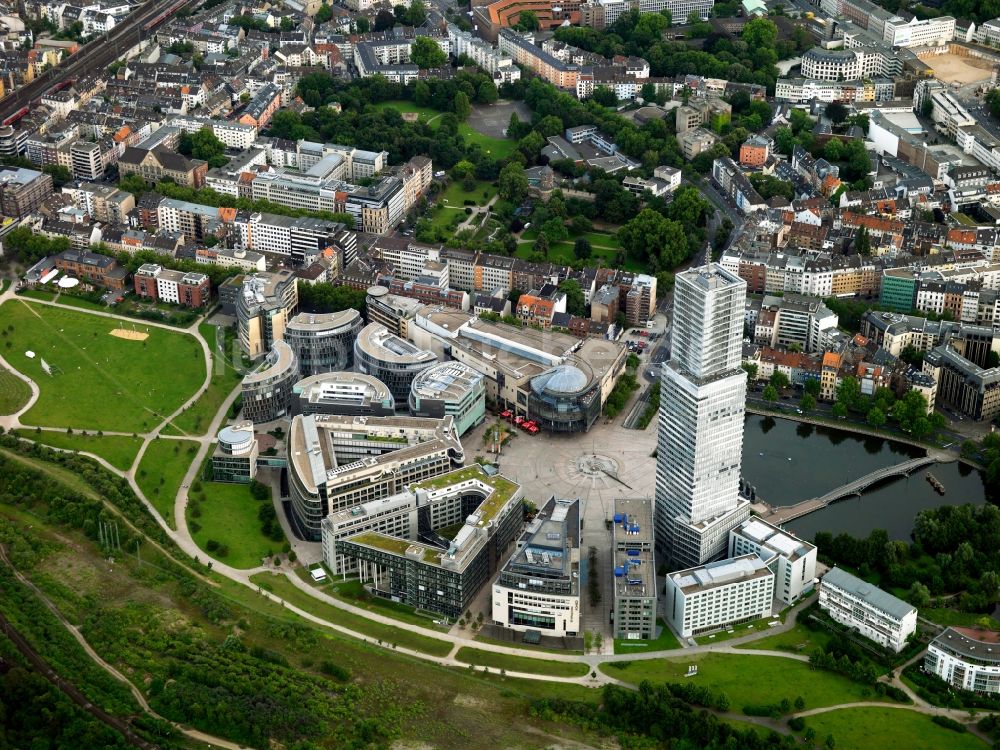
[99,381]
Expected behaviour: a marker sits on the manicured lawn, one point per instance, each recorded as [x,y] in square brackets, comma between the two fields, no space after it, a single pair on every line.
[281,586]
[225,377]
[798,640]
[747,679]
[888,728]
[100,381]
[161,470]
[665,641]
[14,392]
[960,619]
[746,628]
[455,196]
[229,517]
[118,450]
[498,148]
[521,663]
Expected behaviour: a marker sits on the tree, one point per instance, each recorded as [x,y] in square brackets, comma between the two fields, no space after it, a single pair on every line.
[541,245]
[461,105]
[384,19]
[862,242]
[778,379]
[425,53]
[770,393]
[849,392]
[513,183]
[992,100]
[287,24]
[751,370]
[812,386]
[487,93]
[204,145]
[912,356]
[918,595]
[655,239]
[604,96]
[837,112]
[527,20]
[839,410]
[361,24]
[60,175]
[760,33]
[876,417]
[324,14]
[808,402]
[575,304]
[581,248]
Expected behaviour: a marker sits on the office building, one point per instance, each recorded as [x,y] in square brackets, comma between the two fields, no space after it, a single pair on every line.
[792,561]
[719,595]
[449,388]
[22,190]
[391,359]
[700,436]
[235,455]
[539,587]
[346,393]
[966,659]
[323,342]
[337,462]
[962,384]
[267,389]
[634,577]
[439,575]
[264,303]
[872,612]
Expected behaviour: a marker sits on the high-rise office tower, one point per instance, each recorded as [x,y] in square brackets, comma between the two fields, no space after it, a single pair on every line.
[702,401]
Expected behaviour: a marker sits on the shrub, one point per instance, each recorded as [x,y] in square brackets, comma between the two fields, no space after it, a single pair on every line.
[335,671]
[797,724]
[211,545]
[944,721]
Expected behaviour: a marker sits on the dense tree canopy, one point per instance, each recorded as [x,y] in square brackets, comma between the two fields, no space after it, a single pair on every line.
[426,53]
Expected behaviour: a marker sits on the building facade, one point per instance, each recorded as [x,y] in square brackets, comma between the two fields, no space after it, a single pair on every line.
[718,595]
[323,342]
[391,359]
[449,388]
[874,613]
[633,615]
[966,659]
[346,393]
[267,390]
[235,455]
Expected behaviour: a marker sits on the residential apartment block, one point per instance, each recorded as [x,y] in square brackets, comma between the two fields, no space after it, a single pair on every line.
[875,614]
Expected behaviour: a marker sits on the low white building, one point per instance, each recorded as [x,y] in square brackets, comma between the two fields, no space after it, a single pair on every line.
[792,561]
[966,659]
[874,613]
[717,595]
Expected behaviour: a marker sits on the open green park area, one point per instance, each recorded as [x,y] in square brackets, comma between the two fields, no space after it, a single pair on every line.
[888,728]
[161,471]
[118,450]
[665,641]
[14,392]
[455,195]
[99,381]
[604,247]
[496,660]
[226,521]
[499,148]
[797,640]
[225,377]
[747,680]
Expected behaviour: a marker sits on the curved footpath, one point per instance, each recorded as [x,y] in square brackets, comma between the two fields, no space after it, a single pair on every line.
[183,539]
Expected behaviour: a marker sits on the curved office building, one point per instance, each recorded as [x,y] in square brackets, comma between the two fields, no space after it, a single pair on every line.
[347,393]
[450,388]
[394,361]
[264,304]
[267,390]
[324,342]
[565,398]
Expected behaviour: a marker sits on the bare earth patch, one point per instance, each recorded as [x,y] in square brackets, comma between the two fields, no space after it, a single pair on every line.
[125,333]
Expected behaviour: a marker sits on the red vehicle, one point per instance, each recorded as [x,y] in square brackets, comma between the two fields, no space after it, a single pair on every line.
[506,414]
[518,420]
[533,429]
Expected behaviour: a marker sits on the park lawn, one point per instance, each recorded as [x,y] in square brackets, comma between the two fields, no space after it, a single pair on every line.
[225,377]
[455,196]
[100,382]
[161,472]
[746,628]
[513,663]
[278,585]
[946,617]
[118,450]
[798,640]
[498,148]
[229,516]
[14,392]
[888,728]
[664,642]
[747,680]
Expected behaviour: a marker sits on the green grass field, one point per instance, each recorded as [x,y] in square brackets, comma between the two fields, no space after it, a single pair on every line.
[161,470]
[499,148]
[14,392]
[961,619]
[118,450]
[100,381]
[196,419]
[281,586]
[888,728]
[229,516]
[666,640]
[798,640]
[455,196]
[746,628]
[521,663]
[747,679]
